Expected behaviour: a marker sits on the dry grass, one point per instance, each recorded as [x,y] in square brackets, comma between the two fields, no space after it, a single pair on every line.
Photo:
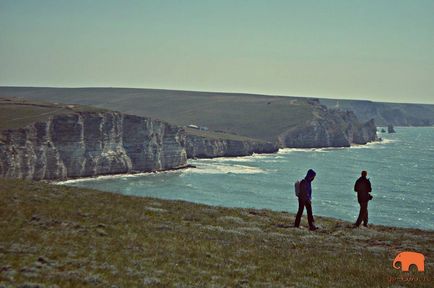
[71,237]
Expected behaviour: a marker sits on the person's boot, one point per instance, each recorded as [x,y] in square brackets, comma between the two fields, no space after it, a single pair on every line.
[313,228]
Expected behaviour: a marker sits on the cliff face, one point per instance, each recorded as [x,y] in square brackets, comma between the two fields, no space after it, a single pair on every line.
[329,128]
[202,147]
[355,131]
[88,144]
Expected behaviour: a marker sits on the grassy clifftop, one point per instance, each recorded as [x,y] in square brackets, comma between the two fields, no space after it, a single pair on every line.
[17,113]
[254,116]
[84,238]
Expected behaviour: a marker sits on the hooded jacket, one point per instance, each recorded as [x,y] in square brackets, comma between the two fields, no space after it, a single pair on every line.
[306,186]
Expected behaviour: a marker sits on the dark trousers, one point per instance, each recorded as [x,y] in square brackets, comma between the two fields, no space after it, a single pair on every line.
[363,214]
[301,205]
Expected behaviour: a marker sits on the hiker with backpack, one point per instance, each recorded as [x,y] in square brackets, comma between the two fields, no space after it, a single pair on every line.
[363,188]
[304,193]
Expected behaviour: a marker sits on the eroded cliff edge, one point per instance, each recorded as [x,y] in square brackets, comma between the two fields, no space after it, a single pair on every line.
[329,128]
[199,146]
[84,144]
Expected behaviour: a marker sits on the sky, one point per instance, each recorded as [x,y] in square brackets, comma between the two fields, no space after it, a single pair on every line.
[375,50]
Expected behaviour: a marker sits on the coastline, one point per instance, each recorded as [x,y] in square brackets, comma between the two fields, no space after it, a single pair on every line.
[188,166]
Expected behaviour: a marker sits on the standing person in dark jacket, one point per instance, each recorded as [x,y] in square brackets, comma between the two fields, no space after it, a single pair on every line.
[363,188]
[305,200]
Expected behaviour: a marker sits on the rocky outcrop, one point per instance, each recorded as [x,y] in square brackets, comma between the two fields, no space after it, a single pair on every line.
[390,129]
[329,128]
[355,131]
[86,144]
[206,147]
[366,133]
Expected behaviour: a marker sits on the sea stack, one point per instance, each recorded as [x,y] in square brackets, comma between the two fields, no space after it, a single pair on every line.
[390,129]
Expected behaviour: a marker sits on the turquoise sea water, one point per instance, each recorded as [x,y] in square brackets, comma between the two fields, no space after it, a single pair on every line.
[401,169]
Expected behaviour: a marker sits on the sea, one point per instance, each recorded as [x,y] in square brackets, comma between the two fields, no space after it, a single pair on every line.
[400,168]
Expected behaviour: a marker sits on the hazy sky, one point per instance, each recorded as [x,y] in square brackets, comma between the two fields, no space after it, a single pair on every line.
[378,50]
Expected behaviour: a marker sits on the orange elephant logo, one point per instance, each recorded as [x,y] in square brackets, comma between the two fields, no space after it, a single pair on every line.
[410,258]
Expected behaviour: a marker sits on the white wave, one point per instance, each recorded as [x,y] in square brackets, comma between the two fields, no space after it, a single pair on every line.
[226,159]
[116,176]
[203,168]
[329,149]
[373,144]
[320,150]
[384,141]
[250,158]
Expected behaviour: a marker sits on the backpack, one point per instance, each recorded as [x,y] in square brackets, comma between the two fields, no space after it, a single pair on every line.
[297,188]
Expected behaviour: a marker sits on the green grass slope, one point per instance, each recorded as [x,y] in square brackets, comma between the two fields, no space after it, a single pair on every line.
[71,237]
